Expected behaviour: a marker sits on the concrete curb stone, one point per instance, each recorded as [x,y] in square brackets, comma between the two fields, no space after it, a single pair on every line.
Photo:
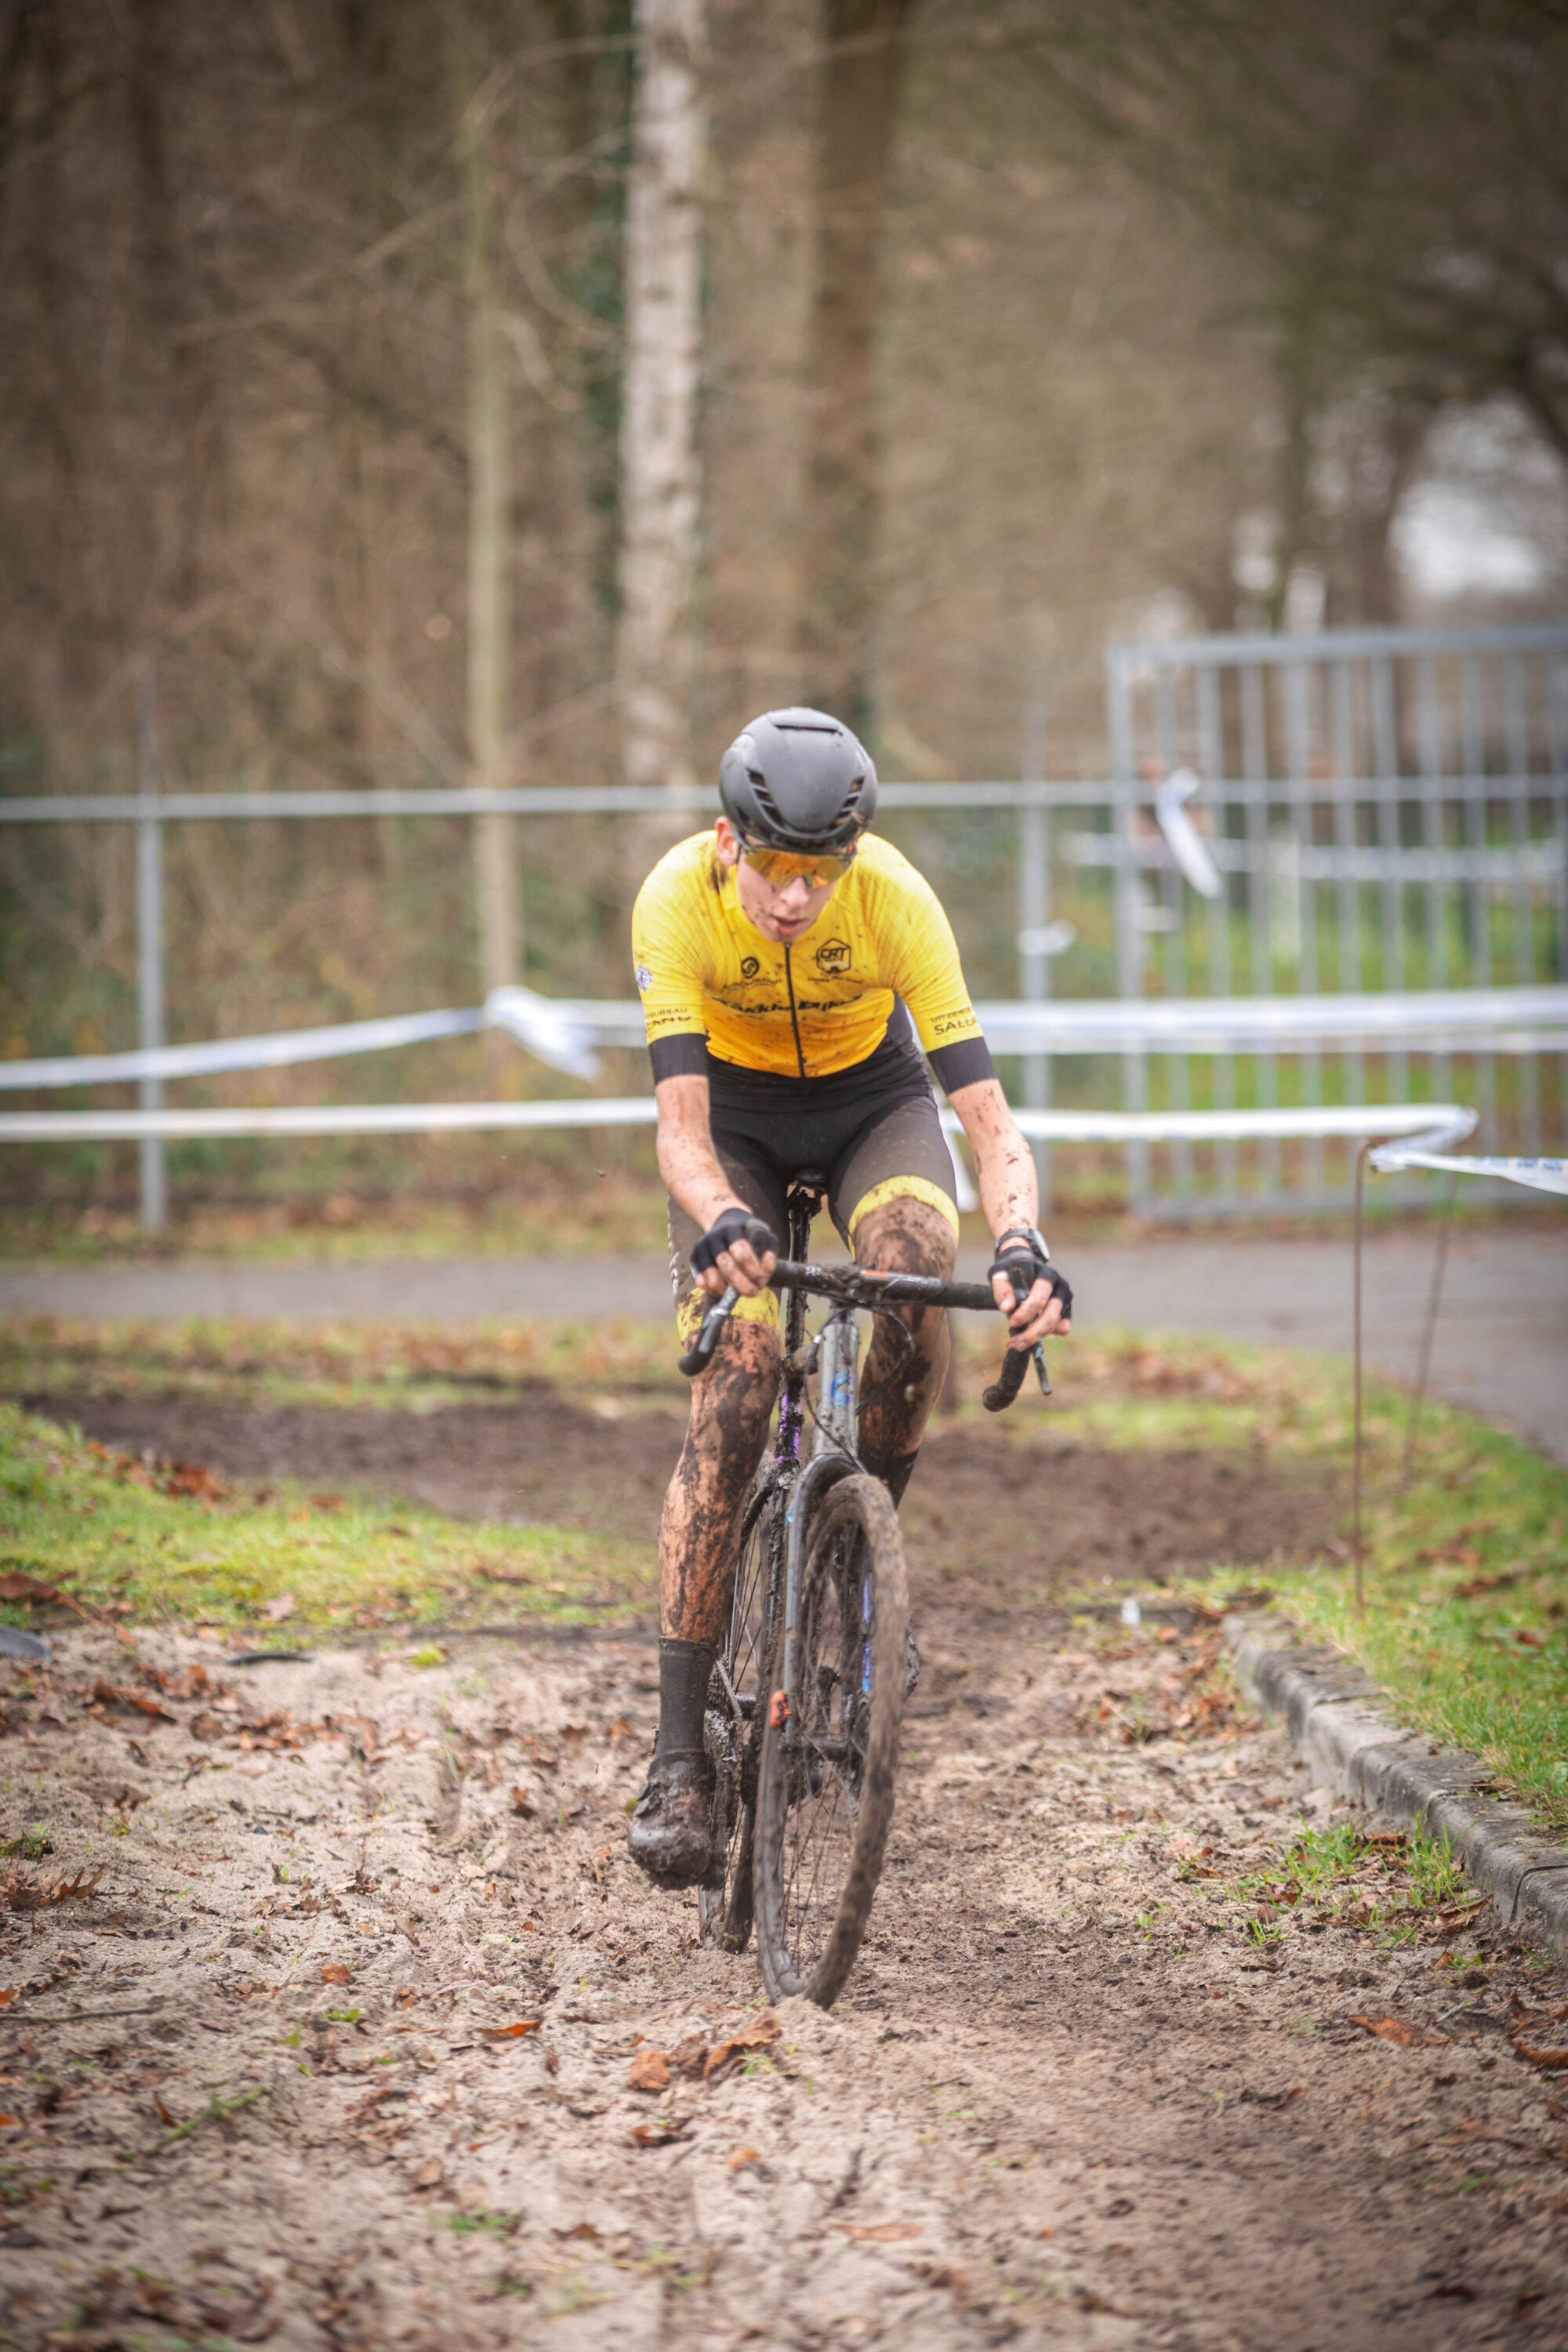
[1331,1712]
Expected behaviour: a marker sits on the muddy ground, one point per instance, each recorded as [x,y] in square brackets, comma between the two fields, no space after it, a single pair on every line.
[990,1507]
[260,2083]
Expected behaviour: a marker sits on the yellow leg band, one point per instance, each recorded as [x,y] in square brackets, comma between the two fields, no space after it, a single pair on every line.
[903,1188]
[691,1309]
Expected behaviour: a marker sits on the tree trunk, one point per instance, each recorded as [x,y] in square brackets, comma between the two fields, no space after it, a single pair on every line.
[489,576]
[660,501]
[1403,438]
[861,77]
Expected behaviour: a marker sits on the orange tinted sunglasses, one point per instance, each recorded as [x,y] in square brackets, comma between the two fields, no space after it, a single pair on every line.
[779,867]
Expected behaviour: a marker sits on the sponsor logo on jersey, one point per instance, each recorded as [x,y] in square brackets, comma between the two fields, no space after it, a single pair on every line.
[750,967]
[832,956]
[644,978]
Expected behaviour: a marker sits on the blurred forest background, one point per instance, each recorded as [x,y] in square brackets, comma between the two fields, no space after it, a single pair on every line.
[1024,324]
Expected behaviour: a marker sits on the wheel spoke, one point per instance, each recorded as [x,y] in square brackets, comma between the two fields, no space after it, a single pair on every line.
[828,1774]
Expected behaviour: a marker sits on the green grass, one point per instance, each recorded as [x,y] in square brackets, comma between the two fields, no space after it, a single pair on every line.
[386,1364]
[1466,1617]
[1466,1623]
[1391,1886]
[104,1529]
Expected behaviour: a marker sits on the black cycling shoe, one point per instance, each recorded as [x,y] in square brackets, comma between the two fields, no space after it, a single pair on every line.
[672,1827]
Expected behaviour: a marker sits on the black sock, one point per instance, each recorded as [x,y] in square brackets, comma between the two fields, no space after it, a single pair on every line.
[684,1668]
[894,1472]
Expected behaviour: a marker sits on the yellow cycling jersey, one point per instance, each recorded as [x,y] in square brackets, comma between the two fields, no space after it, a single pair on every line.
[820,1003]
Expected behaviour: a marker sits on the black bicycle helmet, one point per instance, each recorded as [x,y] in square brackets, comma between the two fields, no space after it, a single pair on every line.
[798,780]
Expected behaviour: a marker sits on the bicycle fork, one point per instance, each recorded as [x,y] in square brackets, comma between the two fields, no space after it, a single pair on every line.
[838,1350]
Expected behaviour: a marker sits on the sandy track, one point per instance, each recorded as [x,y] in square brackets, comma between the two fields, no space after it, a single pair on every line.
[1062,2103]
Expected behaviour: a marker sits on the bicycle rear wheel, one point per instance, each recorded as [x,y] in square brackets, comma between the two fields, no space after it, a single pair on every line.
[733,1736]
[825,1796]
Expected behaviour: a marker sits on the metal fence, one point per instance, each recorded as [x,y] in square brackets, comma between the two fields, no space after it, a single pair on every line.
[1349,814]
[1384,810]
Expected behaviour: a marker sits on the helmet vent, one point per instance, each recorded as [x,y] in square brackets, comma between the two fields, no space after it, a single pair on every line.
[765,801]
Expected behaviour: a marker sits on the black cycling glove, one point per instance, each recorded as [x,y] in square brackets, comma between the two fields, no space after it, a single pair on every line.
[734,1225]
[1023,1257]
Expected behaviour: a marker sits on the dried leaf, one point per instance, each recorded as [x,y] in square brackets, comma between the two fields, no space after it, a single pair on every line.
[430,2173]
[335,1973]
[1551,2062]
[8,1994]
[878,2233]
[650,2069]
[17,1586]
[107,1694]
[18,1894]
[659,2134]
[194,1480]
[755,2036]
[283,1606]
[739,2157]
[1394,2029]
[513,2032]
[165,2112]
[522,1802]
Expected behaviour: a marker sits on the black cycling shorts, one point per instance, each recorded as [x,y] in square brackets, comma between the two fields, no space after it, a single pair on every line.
[873,1131]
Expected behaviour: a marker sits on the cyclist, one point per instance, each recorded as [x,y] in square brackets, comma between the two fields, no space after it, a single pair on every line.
[792,966]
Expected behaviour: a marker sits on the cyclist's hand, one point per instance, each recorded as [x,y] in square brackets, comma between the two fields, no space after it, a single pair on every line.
[1041,1313]
[737,1248]
[1035,1295]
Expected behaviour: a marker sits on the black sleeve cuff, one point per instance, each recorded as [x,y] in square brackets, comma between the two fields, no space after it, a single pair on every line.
[684,1055]
[961,1065]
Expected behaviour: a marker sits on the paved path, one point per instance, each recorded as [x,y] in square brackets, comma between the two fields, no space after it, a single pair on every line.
[1501,1346]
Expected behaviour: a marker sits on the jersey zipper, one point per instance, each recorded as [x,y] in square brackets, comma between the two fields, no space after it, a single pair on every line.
[794,1017]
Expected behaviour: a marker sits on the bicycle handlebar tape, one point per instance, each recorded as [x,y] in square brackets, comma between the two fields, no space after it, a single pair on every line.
[734,1225]
[702,1348]
[1008,1380]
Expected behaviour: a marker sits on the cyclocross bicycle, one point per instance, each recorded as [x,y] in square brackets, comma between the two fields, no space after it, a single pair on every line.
[808,1687]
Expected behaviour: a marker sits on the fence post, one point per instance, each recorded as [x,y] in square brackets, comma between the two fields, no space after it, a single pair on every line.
[149,947]
[1034,913]
[1129,939]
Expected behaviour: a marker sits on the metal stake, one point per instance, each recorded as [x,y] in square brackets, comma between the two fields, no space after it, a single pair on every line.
[149,947]
[1434,1301]
[1355,1475]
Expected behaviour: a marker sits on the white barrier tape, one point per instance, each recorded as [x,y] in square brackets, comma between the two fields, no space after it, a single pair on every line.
[553,1030]
[280,1049]
[560,1031]
[1422,1122]
[1436,1124]
[1182,838]
[1544,1175]
[1439,1018]
[550,1031]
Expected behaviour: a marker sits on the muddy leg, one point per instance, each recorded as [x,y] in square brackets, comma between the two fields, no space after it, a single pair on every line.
[903,1237]
[672,1827]
[730,1403]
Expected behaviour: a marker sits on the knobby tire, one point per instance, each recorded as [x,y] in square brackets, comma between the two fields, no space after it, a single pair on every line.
[824,1811]
[725,1908]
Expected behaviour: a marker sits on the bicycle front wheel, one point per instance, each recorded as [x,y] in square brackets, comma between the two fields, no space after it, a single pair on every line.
[733,1736]
[825,1796]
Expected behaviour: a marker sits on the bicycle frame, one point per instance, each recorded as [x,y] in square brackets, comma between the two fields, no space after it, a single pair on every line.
[834,1356]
